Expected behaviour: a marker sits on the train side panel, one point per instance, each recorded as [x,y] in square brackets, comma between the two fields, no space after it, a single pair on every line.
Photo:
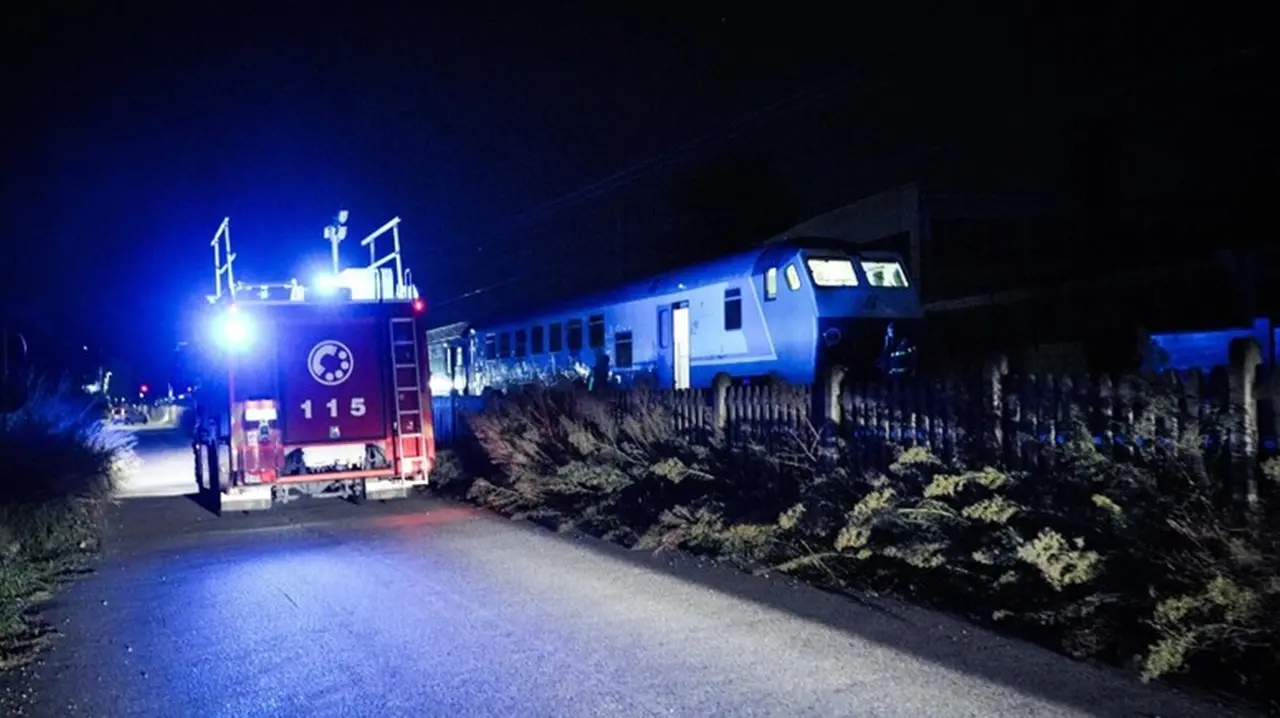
[637,340]
[760,314]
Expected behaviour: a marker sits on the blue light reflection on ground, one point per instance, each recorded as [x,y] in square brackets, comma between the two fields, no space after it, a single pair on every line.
[308,622]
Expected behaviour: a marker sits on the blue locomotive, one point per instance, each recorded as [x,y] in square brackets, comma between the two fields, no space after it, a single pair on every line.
[786,310]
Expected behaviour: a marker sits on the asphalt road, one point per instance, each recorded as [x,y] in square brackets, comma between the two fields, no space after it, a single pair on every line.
[165,463]
[425,608]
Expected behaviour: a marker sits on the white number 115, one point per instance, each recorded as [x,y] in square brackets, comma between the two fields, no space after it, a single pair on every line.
[357,407]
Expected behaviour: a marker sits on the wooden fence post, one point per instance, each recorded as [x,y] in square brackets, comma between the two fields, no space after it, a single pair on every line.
[832,417]
[720,401]
[833,388]
[993,374]
[1242,373]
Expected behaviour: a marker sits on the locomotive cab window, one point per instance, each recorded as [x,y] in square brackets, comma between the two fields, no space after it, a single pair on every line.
[622,356]
[504,345]
[793,278]
[771,283]
[535,340]
[575,335]
[595,331]
[832,272]
[490,346]
[522,346]
[555,342]
[732,309]
[884,274]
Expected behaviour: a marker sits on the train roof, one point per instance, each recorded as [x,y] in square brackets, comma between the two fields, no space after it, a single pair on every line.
[447,332]
[733,266]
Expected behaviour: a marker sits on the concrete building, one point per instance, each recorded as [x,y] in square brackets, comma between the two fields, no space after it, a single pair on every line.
[957,245]
[1031,277]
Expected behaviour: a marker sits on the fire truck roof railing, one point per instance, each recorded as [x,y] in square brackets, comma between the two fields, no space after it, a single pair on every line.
[383,279]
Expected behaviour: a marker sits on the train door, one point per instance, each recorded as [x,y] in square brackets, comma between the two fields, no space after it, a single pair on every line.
[462,361]
[680,345]
[673,346]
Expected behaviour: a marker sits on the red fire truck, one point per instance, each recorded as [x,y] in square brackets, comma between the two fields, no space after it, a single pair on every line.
[313,391]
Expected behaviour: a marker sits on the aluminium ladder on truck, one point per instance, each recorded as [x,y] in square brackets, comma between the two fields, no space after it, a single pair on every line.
[409,424]
[322,386]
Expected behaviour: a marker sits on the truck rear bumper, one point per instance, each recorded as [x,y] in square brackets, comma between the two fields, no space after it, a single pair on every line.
[261,497]
[246,498]
[386,489]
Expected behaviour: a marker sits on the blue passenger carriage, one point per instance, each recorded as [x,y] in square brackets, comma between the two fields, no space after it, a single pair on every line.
[786,310]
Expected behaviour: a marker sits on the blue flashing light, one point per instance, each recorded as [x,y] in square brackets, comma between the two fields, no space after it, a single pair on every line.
[233,329]
[327,284]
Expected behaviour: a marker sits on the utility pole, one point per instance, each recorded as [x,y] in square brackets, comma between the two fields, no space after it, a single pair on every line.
[335,233]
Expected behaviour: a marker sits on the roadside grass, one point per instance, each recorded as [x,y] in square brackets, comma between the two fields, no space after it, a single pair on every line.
[58,464]
[1135,562]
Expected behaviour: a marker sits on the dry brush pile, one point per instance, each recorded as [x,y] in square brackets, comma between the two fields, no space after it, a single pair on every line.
[1134,561]
[58,462]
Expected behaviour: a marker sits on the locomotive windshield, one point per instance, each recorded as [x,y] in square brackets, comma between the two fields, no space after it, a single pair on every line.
[832,272]
[881,273]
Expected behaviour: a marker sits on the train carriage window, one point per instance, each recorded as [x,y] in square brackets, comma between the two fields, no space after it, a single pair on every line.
[622,356]
[555,342]
[664,327]
[535,340]
[595,331]
[522,345]
[793,278]
[771,283]
[490,346]
[574,340]
[504,345]
[732,309]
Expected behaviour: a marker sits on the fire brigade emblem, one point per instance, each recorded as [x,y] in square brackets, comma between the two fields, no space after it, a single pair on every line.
[330,362]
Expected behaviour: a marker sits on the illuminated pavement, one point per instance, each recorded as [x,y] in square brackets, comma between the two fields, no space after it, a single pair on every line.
[165,465]
[422,608]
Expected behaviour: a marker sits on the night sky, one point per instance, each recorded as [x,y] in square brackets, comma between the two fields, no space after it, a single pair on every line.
[490,130]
